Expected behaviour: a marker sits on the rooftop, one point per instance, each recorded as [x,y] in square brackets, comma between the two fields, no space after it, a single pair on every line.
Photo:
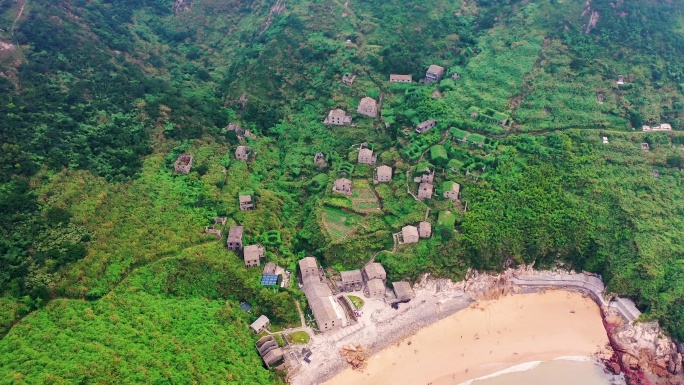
[403,290]
[374,270]
[235,233]
[435,69]
[253,251]
[409,231]
[384,171]
[351,276]
[375,284]
[260,322]
[365,152]
[367,102]
[308,263]
[337,113]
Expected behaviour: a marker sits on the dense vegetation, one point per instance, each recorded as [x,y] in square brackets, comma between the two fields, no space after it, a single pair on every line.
[101,245]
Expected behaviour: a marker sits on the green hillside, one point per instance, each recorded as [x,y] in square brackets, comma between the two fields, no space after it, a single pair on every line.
[102,247]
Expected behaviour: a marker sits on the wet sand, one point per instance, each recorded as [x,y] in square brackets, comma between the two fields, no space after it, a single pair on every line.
[488,337]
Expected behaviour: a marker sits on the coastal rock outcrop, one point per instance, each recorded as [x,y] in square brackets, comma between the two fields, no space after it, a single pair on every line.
[643,348]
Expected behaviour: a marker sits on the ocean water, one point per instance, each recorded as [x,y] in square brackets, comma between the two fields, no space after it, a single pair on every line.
[562,371]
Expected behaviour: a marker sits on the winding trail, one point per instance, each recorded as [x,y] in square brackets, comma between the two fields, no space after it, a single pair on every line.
[14,24]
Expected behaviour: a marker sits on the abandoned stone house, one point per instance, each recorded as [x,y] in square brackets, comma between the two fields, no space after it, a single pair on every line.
[621,79]
[403,291]
[383,174]
[343,186]
[239,131]
[434,73]
[246,202]
[409,234]
[656,173]
[426,125]
[375,288]
[450,190]
[373,270]
[274,358]
[424,229]
[260,324]
[215,229]
[599,98]
[338,117]
[325,309]
[427,177]
[183,164]
[425,191]
[605,140]
[319,160]
[253,255]
[216,232]
[243,153]
[645,146]
[348,79]
[368,107]
[308,267]
[401,78]
[234,241]
[455,76]
[268,349]
[366,156]
[351,280]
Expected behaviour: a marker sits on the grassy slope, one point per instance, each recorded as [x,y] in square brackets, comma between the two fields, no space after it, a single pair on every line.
[152,329]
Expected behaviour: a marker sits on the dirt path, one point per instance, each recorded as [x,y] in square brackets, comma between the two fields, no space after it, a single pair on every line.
[14,24]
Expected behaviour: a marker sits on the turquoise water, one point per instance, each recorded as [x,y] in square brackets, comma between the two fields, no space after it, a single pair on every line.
[556,372]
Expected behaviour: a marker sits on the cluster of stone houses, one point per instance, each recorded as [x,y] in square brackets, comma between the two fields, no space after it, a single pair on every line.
[326,311]
[412,234]
[425,187]
[252,255]
[270,352]
[374,277]
[371,279]
[660,127]
[434,73]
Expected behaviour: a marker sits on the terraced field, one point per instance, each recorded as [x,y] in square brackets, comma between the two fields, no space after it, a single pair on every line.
[364,199]
[340,224]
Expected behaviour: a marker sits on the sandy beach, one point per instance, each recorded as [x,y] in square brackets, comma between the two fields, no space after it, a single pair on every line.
[487,337]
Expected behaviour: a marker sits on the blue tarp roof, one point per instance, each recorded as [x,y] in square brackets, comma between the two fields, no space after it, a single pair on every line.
[269,279]
[246,306]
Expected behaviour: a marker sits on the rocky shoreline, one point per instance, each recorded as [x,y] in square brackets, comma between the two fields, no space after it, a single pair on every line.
[641,351]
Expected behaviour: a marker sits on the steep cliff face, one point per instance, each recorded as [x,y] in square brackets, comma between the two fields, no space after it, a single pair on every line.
[181,6]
